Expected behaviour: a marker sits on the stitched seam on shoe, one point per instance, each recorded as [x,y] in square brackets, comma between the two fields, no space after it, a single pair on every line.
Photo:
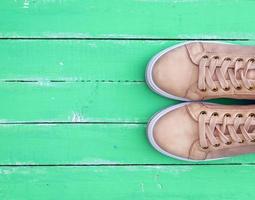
[191,147]
[186,93]
[190,113]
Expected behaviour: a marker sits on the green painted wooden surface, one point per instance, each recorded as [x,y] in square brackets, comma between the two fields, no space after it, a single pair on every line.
[78,102]
[128,182]
[77,60]
[117,102]
[128,18]
[74,103]
[80,60]
[84,144]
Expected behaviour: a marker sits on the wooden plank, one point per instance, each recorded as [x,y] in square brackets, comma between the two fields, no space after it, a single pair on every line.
[131,182]
[78,102]
[127,19]
[83,60]
[125,102]
[84,144]
[72,60]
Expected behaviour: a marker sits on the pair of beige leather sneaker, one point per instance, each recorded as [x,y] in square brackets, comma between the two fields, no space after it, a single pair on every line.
[196,71]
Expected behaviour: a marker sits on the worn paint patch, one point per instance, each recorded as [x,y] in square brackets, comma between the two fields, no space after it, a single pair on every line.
[6,171]
[26,4]
[100,161]
[171,169]
[77,117]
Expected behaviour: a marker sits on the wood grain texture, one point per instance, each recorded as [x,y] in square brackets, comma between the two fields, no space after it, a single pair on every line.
[131,182]
[79,60]
[78,102]
[104,102]
[74,103]
[84,144]
[127,19]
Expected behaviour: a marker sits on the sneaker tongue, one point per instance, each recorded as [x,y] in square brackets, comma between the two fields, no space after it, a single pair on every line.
[251,74]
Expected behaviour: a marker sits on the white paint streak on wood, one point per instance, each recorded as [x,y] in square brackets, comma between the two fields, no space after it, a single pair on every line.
[159,186]
[169,1]
[92,44]
[26,4]
[77,117]
[6,171]
[171,169]
[98,161]
[142,187]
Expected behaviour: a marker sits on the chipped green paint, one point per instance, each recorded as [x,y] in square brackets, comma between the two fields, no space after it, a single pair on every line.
[128,182]
[79,60]
[78,102]
[88,144]
[72,93]
[128,19]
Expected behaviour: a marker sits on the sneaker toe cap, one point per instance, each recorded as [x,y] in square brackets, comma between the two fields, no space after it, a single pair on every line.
[174,73]
[175,133]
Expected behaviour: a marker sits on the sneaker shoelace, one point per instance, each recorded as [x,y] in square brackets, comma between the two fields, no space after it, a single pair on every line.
[228,129]
[225,71]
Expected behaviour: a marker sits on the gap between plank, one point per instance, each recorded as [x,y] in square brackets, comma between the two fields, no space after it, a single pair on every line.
[72,81]
[93,38]
[128,165]
[72,123]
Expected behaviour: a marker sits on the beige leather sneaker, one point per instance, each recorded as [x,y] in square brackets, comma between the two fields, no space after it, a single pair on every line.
[203,131]
[203,70]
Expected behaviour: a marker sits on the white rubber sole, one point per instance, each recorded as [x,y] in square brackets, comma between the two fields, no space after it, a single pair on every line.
[149,69]
[152,141]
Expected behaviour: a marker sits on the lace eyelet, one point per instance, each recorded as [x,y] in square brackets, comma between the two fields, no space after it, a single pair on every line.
[239,115]
[253,140]
[204,147]
[215,89]
[251,60]
[239,59]
[216,145]
[252,115]
[251,88]
[205,57]
[241,142]
[216,57]
[215,114]
[203,112]
[228,143]
[227,115]
[227,59]
[226,88]
[239,87]
[203,90]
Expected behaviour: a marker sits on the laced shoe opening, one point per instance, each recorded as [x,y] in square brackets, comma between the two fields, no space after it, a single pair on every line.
[225,73]
[214,132]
